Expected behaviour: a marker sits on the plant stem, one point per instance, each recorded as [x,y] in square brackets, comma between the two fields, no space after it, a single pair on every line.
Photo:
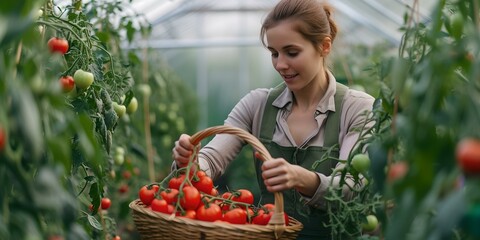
[146,113]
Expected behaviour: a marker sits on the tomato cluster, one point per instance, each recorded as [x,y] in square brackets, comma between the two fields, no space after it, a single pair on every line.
[195,197]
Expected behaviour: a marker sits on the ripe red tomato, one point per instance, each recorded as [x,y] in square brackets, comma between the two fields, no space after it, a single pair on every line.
[126,174]
[191,198]
[214,192]
[204,184]
[147,194]
[269,206]
[2,138]
[225,206]
[243,195]
[192,214]
[235,216]
[265,213]
[396,171]
[175,182]
[123,188]
[170,195]
[159,205]
[201,174]
[58,45]
[55,237]
[262,218]
[116,238]
[106,202]
[210,213]
[67,83]
[468,155]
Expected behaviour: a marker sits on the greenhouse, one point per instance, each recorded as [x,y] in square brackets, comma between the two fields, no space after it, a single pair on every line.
[240,119]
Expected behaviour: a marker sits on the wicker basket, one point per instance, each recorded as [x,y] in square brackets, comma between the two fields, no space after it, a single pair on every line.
[155,225]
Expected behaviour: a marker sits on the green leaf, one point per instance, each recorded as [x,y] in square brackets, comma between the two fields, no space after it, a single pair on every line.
[94,222]
[26,112]
[130,31]
[449,214]
[94,194]
[103,37]
[128,97]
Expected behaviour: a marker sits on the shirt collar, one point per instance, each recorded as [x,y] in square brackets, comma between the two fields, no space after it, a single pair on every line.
[327,103]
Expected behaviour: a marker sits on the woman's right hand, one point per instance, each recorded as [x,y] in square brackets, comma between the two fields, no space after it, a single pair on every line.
[183,150]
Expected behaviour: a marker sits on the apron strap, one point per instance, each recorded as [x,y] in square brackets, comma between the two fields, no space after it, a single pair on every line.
[332,127]
[270,113]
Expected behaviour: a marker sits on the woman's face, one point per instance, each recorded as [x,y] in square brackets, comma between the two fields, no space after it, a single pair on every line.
[294,57]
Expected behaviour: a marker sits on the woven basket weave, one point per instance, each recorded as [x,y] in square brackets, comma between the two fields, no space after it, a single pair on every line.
[155,225]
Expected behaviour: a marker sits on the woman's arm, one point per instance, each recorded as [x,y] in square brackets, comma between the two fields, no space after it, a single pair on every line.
[223,148]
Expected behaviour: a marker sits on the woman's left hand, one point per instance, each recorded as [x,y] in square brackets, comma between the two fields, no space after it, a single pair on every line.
[279,175]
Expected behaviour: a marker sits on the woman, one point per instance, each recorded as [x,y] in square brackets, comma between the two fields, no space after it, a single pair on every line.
[297,121]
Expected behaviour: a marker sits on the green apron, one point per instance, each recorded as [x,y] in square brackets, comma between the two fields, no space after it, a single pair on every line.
[311,218]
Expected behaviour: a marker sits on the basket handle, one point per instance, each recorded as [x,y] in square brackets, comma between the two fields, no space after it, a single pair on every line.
[277,218]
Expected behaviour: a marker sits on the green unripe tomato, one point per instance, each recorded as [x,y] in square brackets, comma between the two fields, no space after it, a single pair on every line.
[145,89]
[456,25]
[119,109]
[83,79]
[132,106]
[118,159]
[371,224]
[361,162]
[119,150]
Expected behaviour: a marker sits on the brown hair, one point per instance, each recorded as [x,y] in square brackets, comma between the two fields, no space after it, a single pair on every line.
[315,21]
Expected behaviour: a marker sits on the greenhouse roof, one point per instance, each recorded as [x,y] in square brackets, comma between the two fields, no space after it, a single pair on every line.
[203,23]
[214,45]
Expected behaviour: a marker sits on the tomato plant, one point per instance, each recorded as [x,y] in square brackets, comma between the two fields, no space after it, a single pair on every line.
[58,45]
[468,155]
